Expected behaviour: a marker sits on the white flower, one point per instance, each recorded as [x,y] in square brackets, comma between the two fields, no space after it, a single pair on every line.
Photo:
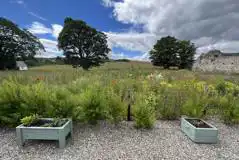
[158,77]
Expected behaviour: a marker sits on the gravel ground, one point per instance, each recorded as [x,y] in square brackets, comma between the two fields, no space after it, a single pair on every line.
[104,141]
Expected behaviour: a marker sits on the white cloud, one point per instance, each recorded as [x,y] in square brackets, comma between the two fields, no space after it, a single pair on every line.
[50,47]
[56,30]
[37,16]
[39,28]
[209,24]
[131,40]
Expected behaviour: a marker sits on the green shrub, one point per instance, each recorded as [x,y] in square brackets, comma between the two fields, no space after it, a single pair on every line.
[116,108]
[93,105]
[169,103]
[10,103]
[144,112]
[195,106]
[221,88]
[229,110]
[62,104]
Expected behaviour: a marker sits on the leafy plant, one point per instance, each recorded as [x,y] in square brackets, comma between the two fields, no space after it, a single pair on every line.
[230,110]
[169,103]
[29,120]
[144,112]
[116,108]
[221,88]
[93,105]
[194,106]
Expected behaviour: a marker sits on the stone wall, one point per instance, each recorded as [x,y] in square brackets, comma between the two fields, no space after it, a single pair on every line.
[217,63]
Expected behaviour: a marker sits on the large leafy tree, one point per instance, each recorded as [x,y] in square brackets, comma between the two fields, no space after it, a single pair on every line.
[169,51]
[83,45]
[164,52]
[186,52]
[16,43]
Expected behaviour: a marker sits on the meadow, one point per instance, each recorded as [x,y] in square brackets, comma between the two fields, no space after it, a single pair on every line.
[105,92]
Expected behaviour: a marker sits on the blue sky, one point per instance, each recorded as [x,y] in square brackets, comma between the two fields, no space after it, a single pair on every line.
[132,26]
[26,13]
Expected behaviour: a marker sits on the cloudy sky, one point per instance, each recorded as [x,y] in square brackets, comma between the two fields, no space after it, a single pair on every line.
[132,26]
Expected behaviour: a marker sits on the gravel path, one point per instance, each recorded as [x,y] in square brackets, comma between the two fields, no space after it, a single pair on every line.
[104,141]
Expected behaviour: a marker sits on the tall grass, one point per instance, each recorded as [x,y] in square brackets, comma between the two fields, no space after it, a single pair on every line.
[104,93]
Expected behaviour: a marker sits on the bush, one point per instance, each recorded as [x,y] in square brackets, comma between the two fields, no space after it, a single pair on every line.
[93,105]
[144,112]
[230,110]
[169,103]
[63,104]
[10,103]
[194,106]
[221,88]
[116,108]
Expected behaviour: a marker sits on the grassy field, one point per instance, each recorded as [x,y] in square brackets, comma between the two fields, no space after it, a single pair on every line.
[62,74]
[105,92]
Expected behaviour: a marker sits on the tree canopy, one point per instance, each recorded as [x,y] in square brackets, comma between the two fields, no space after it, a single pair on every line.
[83,45]
[16,43]
[169,51]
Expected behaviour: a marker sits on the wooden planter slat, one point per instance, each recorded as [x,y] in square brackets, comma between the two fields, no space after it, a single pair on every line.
[199,135]
[45,133]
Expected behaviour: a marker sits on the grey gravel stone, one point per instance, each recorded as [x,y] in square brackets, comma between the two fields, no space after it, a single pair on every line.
[106,141]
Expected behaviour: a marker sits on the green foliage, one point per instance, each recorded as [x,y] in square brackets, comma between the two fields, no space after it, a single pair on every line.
[82,44]
[93,105]
[221,88]
[144,112]
[194,106]
[62,104]
[26,45]
[28,120]
[169,103]
[116,108]
[104,94]
[168,51]
[229,110]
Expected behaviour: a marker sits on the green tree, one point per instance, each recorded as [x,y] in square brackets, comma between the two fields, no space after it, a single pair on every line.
[16,43]
[83,45]
[186,52]
[169,51]
[164,52]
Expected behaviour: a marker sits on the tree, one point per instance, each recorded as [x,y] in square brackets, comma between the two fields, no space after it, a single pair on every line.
[186,53]
[83,45]
[164,52]
[16,43]
[169,51]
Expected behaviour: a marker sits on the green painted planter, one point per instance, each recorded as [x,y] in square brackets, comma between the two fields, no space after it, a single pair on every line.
[199,135]
[45,133]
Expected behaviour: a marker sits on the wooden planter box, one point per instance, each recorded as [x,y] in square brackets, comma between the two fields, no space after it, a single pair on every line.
[45,133]
[199,135]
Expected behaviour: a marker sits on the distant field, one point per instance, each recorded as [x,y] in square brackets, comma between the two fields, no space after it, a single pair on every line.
[62,74]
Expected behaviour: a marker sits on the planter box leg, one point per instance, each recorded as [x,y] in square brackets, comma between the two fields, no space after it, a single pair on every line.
[62,140]
[20,140]
[71,132]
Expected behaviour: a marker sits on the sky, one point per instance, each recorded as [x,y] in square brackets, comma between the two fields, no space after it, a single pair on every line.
[132,26]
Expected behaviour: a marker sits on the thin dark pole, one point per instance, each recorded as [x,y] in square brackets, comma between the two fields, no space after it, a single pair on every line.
[129,111]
